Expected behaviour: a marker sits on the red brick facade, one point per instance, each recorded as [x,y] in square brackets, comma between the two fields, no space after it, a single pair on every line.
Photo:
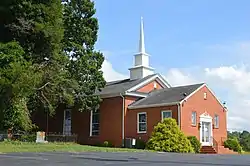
[153,118]
[150,86]
[111,112]
[200,105]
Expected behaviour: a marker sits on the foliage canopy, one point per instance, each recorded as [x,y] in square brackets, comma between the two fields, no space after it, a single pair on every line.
[47,58]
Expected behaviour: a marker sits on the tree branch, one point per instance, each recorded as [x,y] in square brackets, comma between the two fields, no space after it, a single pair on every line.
[44,86]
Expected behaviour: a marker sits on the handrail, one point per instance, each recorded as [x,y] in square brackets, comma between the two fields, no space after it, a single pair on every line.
[215,144]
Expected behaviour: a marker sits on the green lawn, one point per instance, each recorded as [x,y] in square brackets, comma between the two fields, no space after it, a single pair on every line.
[6,147]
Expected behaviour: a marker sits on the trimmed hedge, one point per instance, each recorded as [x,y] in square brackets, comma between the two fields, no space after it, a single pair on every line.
[233,144]
[167,137]
[195,143]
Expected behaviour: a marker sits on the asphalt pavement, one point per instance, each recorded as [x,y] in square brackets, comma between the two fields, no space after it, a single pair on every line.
[121,159]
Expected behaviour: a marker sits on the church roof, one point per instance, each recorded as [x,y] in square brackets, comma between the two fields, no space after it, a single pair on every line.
[121,86]
[166,96]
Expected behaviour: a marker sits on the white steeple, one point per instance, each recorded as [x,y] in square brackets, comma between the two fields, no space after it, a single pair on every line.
[141,42]
[141,66]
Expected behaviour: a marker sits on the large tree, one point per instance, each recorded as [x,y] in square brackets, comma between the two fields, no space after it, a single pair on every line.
[56,46]
[18,79]
[38,28]
[85,64]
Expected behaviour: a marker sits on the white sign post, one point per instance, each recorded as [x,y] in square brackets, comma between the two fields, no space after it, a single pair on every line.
[40,137]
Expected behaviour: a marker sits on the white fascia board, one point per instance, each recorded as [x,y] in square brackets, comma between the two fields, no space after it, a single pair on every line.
[153,105]
[203,85]
[135,94]
[157,76]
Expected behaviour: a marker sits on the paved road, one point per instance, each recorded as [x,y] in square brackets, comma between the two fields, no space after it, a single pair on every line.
[121,159]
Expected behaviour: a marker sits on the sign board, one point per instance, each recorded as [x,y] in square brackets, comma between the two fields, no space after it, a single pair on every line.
[133,142]
[40,137]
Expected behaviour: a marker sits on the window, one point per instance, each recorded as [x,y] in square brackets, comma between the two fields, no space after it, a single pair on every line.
[205,95]
[194,118]
[155,85]
[166,114]
[67,122]
[216,121]
[142,122]
[94,122]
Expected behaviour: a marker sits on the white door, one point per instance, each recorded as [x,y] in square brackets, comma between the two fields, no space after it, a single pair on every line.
[206,133]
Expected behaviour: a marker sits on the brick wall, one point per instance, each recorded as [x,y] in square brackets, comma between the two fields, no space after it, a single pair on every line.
[200,105]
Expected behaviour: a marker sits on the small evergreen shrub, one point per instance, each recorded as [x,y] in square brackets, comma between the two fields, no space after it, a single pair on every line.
[167,137]
[233,144]
[107,144]
[195,143]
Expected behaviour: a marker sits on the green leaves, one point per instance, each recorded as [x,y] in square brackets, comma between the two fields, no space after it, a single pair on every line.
[18,80]
[85,64]
[52,60]
[168,137]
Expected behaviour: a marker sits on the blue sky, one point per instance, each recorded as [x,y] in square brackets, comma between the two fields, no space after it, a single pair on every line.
[183,38]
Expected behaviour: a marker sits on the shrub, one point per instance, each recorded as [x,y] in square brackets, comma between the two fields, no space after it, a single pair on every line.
[27,138]
[195,143]
[106,144]
[168,137]
[233,144]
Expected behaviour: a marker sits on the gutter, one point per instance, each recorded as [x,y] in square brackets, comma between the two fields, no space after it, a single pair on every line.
[179,115]
[123,112]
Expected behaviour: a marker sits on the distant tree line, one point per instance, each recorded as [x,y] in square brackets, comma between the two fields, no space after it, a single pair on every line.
[242,137]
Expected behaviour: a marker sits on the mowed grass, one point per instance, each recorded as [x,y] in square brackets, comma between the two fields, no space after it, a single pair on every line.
[8,147]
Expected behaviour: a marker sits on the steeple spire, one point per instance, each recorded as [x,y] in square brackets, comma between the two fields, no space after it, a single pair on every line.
[141,42]
[141,66]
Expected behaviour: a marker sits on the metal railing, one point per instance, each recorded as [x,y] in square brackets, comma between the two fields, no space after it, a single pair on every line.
[215,144]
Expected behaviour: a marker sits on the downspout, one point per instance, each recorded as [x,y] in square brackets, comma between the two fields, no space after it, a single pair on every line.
[123,112]
[179,115]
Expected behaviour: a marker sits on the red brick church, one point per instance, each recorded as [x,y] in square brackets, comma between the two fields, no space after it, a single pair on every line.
[133,106]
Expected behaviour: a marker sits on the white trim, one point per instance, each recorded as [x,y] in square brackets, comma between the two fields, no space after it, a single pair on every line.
[195,118]
[138,114]
[191,94]
[123,124]
[90,124]
[162,82]
[179,115]
[139,66]
[205,117]
[152,105]
[164,111]
[203,85]
[218,124]
[136,94]
[103,96]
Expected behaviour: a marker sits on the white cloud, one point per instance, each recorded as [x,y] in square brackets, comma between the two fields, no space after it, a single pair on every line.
[109,73]
[176,78]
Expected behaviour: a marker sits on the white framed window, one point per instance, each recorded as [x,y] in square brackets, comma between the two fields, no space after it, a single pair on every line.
[155,85]
[194,118]
[216,121]
[205,95]
[95,123]
[166,114]
[142,122]
[67,122]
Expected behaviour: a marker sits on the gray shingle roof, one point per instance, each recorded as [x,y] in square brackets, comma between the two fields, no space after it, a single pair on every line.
[121,85]
[167,95]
